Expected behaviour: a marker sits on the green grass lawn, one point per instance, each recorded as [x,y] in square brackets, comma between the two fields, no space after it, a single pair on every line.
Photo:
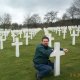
[12,68]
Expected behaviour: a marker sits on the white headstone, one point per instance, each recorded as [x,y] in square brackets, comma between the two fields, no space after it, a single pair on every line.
[27,38]
[5,35]
[20,33]
[49,36]
[78,30]
[57,53]
[13,36]
[50,39]
[70,29]
[59,30]
[17,44]
[73,37]
[25,31]
[64,33]
[56,30]
[1,42]
[31,35]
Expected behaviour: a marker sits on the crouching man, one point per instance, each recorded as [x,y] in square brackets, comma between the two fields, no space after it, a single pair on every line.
[41,60]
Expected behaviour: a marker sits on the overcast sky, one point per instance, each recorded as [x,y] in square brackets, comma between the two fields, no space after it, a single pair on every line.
[20,8]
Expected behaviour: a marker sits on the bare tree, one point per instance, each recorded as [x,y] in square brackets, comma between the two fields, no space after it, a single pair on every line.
[0,20]
[35,18]
[65,17]
[50,16]
[71,12]
[32,20]
[5,20]
[26,20]
[76,3]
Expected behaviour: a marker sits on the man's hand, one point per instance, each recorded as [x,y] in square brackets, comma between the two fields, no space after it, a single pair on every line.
[65,50]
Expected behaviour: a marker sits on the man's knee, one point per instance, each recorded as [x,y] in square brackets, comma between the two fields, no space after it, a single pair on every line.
[44,68]
[48,69]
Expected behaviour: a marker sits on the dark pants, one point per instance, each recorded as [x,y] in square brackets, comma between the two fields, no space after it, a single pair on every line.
[44,69]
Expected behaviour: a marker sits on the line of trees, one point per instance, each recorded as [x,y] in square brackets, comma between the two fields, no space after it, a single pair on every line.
[70,17]
[73,12]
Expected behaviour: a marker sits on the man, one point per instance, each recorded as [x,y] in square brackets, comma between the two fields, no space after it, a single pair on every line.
[41,60]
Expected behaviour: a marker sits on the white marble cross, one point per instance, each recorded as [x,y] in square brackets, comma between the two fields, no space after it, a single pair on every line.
[78,30]
[17,44]
[59,30]
[50,39]
[45,31]
[20,33]
[5,35]
[70,29]
[56,30]
[57,53]
[25,31]
[1,42]
[73,37]
[49,36]
[27,38]
[13,36]
[64,33]
[31,35]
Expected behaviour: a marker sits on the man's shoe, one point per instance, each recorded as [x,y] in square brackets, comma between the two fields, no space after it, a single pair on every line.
[37,77]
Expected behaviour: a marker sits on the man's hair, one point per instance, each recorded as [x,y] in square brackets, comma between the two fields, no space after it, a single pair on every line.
[45,37]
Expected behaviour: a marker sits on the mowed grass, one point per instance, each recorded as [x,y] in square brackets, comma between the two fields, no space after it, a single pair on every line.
[12,68]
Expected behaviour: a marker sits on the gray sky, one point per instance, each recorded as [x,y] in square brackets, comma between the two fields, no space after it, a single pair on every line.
[20,8]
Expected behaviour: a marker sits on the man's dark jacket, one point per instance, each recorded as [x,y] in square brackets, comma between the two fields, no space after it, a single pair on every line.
[42,54]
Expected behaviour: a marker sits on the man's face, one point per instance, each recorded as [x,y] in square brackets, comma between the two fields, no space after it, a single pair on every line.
[45,42]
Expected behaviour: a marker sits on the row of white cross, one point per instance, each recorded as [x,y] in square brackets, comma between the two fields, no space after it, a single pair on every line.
[14,34]
[74,32]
